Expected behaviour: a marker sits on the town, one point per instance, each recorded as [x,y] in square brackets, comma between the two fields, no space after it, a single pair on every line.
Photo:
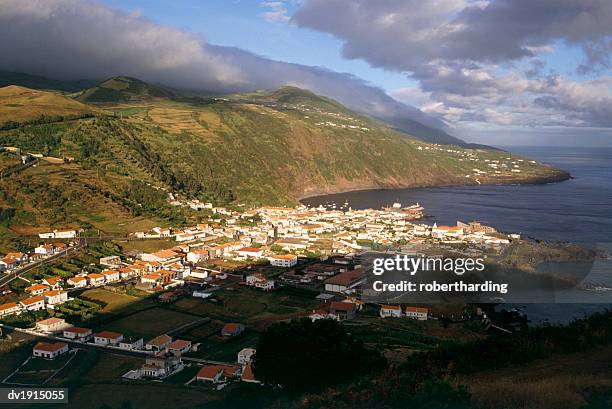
[263,250]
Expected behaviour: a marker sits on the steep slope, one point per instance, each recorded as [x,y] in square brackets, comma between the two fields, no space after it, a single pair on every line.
[20,105]
[42,83]
[266,148]
[122,89]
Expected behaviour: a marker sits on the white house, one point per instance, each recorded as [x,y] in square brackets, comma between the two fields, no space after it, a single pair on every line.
[246,355]
[49,350]
[36,303]
[283,260]
[387,311]
[417,313]
[131,343]
[9,309]
[78,333]
[111,276]
[52,325]
[249,252]
[259,281]
[55,297]
[95,279]
[344,282]
[64,234]
[158,343]
[77,282]
[108,338]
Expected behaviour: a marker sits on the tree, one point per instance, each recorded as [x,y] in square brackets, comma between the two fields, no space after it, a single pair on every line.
[306,355]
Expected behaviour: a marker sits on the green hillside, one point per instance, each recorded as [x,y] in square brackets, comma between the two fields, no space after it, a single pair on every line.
[20,105]
[122,89]
[261,148]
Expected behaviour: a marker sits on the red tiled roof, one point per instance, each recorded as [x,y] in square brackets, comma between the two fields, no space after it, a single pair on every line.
[48,347]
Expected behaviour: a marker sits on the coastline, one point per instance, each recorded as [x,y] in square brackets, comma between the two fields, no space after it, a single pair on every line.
[558,177]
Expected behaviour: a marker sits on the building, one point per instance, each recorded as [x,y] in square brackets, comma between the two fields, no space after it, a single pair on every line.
[343,310]
[37,289]
[52,325]
[218,373]
[259,281]
[247,374]
[417,313]
[95,279]
[64,234]
[33,303]
[210,373]
[110,261]
[158,343]
[284,260]
[108,338]
[180,346]
[78,333]
[9,309]
[55,297]
[249,252]
[344,282]
[161,365]
[111,276]
[131,343]
[55,283]
[49,350]
[77,282]
[246,355]
[163,256]
[232,329]
[387,311]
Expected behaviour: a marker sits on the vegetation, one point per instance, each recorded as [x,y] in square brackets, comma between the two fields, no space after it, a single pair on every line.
[263,148]
[298,355]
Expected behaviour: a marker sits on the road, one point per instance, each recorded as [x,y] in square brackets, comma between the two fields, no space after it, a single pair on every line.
[7,278]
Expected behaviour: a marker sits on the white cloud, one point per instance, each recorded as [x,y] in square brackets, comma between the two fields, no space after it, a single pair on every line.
[277,13]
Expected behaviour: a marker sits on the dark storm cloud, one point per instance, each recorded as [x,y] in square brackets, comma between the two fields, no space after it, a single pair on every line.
[71,39]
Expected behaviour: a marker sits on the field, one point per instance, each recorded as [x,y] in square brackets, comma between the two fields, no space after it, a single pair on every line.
[250,306]
[116,302]
[149,323]
[217,348]
[556,383]
[36,371]
[19,104]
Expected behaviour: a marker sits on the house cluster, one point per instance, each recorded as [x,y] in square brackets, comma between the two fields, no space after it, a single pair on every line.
[397,311]
[345,309]
[225,373]
[44,295]
[280,234]
[490,167]
[59,234]
[15,260]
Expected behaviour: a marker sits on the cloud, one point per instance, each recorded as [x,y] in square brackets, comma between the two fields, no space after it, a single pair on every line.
[70,39]
[277,13]
[465,54]
[73,39]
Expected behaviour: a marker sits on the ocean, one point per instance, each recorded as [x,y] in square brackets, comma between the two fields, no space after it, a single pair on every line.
[578,210]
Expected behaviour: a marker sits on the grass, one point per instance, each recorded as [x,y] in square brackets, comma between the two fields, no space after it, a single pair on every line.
[114,301]
[217,348]
[562,382]
[149,323]
[19,104]
[151,396]
[110,367]
[249,305]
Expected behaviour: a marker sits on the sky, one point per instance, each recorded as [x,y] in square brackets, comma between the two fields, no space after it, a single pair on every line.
[506,72]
